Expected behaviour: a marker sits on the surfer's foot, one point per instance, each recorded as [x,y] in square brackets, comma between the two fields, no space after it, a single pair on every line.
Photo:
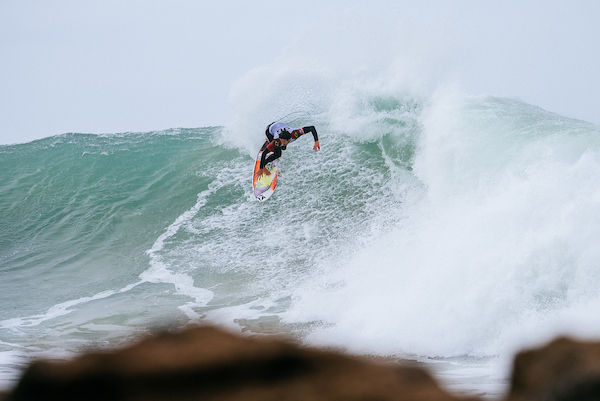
[262,171]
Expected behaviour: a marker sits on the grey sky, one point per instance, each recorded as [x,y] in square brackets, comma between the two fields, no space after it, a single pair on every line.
[104,66]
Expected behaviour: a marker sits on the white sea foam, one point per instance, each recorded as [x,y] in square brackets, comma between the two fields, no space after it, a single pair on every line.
[500,253]
[495,226]
[159,272]
[59,310]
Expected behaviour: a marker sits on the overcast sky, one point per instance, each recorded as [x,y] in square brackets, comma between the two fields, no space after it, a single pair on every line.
[104,66]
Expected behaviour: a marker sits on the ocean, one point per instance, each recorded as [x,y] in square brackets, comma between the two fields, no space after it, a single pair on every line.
[448,230]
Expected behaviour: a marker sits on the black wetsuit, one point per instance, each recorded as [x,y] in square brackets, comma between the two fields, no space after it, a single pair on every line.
[273,147]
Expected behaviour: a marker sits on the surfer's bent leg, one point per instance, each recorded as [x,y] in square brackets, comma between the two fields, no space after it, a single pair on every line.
[276,154]
[268,134]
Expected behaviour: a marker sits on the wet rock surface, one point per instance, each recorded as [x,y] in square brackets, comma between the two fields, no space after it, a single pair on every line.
[563,370]
[206,363]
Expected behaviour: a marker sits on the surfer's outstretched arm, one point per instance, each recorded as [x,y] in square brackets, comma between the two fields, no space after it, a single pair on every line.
[313,131]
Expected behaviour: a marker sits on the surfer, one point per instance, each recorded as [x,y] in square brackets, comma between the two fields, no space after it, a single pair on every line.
[279,135]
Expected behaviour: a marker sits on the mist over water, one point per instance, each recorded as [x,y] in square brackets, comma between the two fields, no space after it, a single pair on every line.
[433,224]
[497,252]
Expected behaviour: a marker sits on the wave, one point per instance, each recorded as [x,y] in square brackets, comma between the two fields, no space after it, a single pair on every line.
[439,226]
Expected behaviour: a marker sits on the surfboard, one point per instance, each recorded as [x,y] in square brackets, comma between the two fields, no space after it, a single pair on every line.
[264,186]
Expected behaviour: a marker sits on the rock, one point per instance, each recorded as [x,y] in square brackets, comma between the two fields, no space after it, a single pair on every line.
[563,370]
[209,364]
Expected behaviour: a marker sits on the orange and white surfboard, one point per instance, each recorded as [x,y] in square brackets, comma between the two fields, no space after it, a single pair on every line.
[264,186]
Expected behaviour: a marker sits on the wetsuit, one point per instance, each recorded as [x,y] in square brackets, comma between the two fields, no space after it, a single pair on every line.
[272,149]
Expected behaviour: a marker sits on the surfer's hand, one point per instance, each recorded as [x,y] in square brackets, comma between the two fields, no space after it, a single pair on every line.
[317,146]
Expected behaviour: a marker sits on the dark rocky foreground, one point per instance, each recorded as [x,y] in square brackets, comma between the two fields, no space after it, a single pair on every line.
[206,363]
[564,370]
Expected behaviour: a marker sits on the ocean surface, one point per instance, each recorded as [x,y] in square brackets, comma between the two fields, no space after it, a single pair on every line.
[448,230]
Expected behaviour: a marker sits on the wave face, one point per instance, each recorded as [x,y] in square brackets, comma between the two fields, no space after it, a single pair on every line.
[443,226]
